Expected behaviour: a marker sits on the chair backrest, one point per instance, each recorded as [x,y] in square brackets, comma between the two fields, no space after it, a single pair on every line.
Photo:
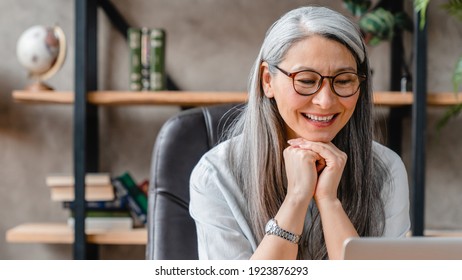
[181,142]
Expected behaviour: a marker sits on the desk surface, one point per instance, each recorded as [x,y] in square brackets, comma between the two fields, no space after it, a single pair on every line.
[60,233]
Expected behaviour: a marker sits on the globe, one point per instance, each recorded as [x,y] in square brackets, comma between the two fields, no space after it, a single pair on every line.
[41,50]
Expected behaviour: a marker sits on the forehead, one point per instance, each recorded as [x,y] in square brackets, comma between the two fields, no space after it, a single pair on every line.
[318,52]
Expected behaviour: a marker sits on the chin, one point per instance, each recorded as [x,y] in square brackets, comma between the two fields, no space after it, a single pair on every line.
[318,138]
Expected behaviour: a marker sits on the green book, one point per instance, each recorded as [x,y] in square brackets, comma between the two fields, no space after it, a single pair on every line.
[157,60]
[133,190]
[134,44]
[145,52]
[104,213]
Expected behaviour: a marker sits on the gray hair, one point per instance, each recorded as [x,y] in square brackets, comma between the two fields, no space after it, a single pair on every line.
[300,23]
[256,158]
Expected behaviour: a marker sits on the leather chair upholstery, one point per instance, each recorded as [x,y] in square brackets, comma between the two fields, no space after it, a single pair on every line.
[181,142]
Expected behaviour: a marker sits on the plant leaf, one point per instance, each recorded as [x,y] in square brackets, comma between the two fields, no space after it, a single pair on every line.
[379,23]
[454,8]
[452,112]
[403,21]
[357,7]
[457,75]
[421,6]
[374,41]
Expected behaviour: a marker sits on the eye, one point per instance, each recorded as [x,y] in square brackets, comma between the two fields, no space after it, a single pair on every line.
[345,79]
[307,79]
[307,82]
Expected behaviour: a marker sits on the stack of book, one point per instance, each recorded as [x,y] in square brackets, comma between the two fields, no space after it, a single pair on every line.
[111,203]
[147,59]
[98,187]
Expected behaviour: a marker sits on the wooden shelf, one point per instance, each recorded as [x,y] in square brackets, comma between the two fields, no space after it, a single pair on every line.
[178,98]
[60,233]
[442,233]
[204,98]
[47,97]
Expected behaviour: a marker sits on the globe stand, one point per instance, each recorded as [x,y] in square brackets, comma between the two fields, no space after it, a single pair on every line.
[38,86]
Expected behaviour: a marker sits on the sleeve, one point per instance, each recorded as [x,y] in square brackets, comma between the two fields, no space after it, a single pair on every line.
[219,227]
[395,194]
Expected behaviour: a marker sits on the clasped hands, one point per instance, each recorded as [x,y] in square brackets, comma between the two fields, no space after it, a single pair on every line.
[313,169]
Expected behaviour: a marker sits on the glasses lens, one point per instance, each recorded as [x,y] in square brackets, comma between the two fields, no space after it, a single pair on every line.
[346,84]
[306,82]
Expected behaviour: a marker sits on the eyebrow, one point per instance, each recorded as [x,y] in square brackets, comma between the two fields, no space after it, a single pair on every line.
[339,70]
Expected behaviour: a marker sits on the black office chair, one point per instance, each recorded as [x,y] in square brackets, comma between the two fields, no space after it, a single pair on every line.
[180,144]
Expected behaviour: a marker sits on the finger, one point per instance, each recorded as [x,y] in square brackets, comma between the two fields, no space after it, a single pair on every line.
[295,141]
[307,154]
[332,155]
[324,149]
[305,144]
[320,164]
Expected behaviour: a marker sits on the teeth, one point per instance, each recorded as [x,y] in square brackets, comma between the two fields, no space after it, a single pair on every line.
[319,118]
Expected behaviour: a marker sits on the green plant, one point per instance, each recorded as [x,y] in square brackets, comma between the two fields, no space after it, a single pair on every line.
[377,22]
[454,8]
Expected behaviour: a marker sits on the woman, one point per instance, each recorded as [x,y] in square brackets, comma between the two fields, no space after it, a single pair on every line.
[300,172]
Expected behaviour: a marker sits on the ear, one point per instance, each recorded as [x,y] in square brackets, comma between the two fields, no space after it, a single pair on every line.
[266,80]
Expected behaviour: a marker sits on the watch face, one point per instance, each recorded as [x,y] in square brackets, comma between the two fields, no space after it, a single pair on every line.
[269,226]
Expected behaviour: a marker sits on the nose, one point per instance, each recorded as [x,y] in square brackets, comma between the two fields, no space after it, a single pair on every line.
[325,97]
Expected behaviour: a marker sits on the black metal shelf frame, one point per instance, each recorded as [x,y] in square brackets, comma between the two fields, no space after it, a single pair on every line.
[419,107]
[86,153]
[419,118]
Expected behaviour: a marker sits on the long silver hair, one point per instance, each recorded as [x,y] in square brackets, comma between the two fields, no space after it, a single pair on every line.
[256,158]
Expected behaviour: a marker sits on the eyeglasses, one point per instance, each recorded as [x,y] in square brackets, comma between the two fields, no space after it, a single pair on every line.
[307,82]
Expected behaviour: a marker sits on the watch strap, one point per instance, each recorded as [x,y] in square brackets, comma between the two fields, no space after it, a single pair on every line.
[274,229]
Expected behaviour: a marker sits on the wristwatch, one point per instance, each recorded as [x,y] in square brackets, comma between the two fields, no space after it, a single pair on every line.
[272,228]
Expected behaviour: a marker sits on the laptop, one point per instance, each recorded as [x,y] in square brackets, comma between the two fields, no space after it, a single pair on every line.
[409,248]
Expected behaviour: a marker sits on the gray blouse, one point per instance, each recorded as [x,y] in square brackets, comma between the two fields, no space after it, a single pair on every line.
[219,208]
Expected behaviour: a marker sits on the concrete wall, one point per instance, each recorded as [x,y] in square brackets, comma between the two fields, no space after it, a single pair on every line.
[211,46]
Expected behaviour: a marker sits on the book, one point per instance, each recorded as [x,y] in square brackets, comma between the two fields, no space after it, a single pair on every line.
[144,187]
[134,45]
[98,187]
[66,180]
[119,203]
[133,190]
[138,214]
[147,59]
[104,213]
[145,75]
[158,77]
[105,223]
[92,193]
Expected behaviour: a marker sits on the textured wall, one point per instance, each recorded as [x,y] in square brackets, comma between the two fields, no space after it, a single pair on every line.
[211,46]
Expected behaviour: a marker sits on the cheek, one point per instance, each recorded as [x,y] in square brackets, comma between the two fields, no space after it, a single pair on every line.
[286,97]
[288,105]
[350,102]
[349,106]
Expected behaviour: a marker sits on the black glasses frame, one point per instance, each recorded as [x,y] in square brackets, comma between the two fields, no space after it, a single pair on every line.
[292,75]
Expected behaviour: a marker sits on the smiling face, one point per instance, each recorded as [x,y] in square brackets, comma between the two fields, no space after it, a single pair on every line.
[321,116]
